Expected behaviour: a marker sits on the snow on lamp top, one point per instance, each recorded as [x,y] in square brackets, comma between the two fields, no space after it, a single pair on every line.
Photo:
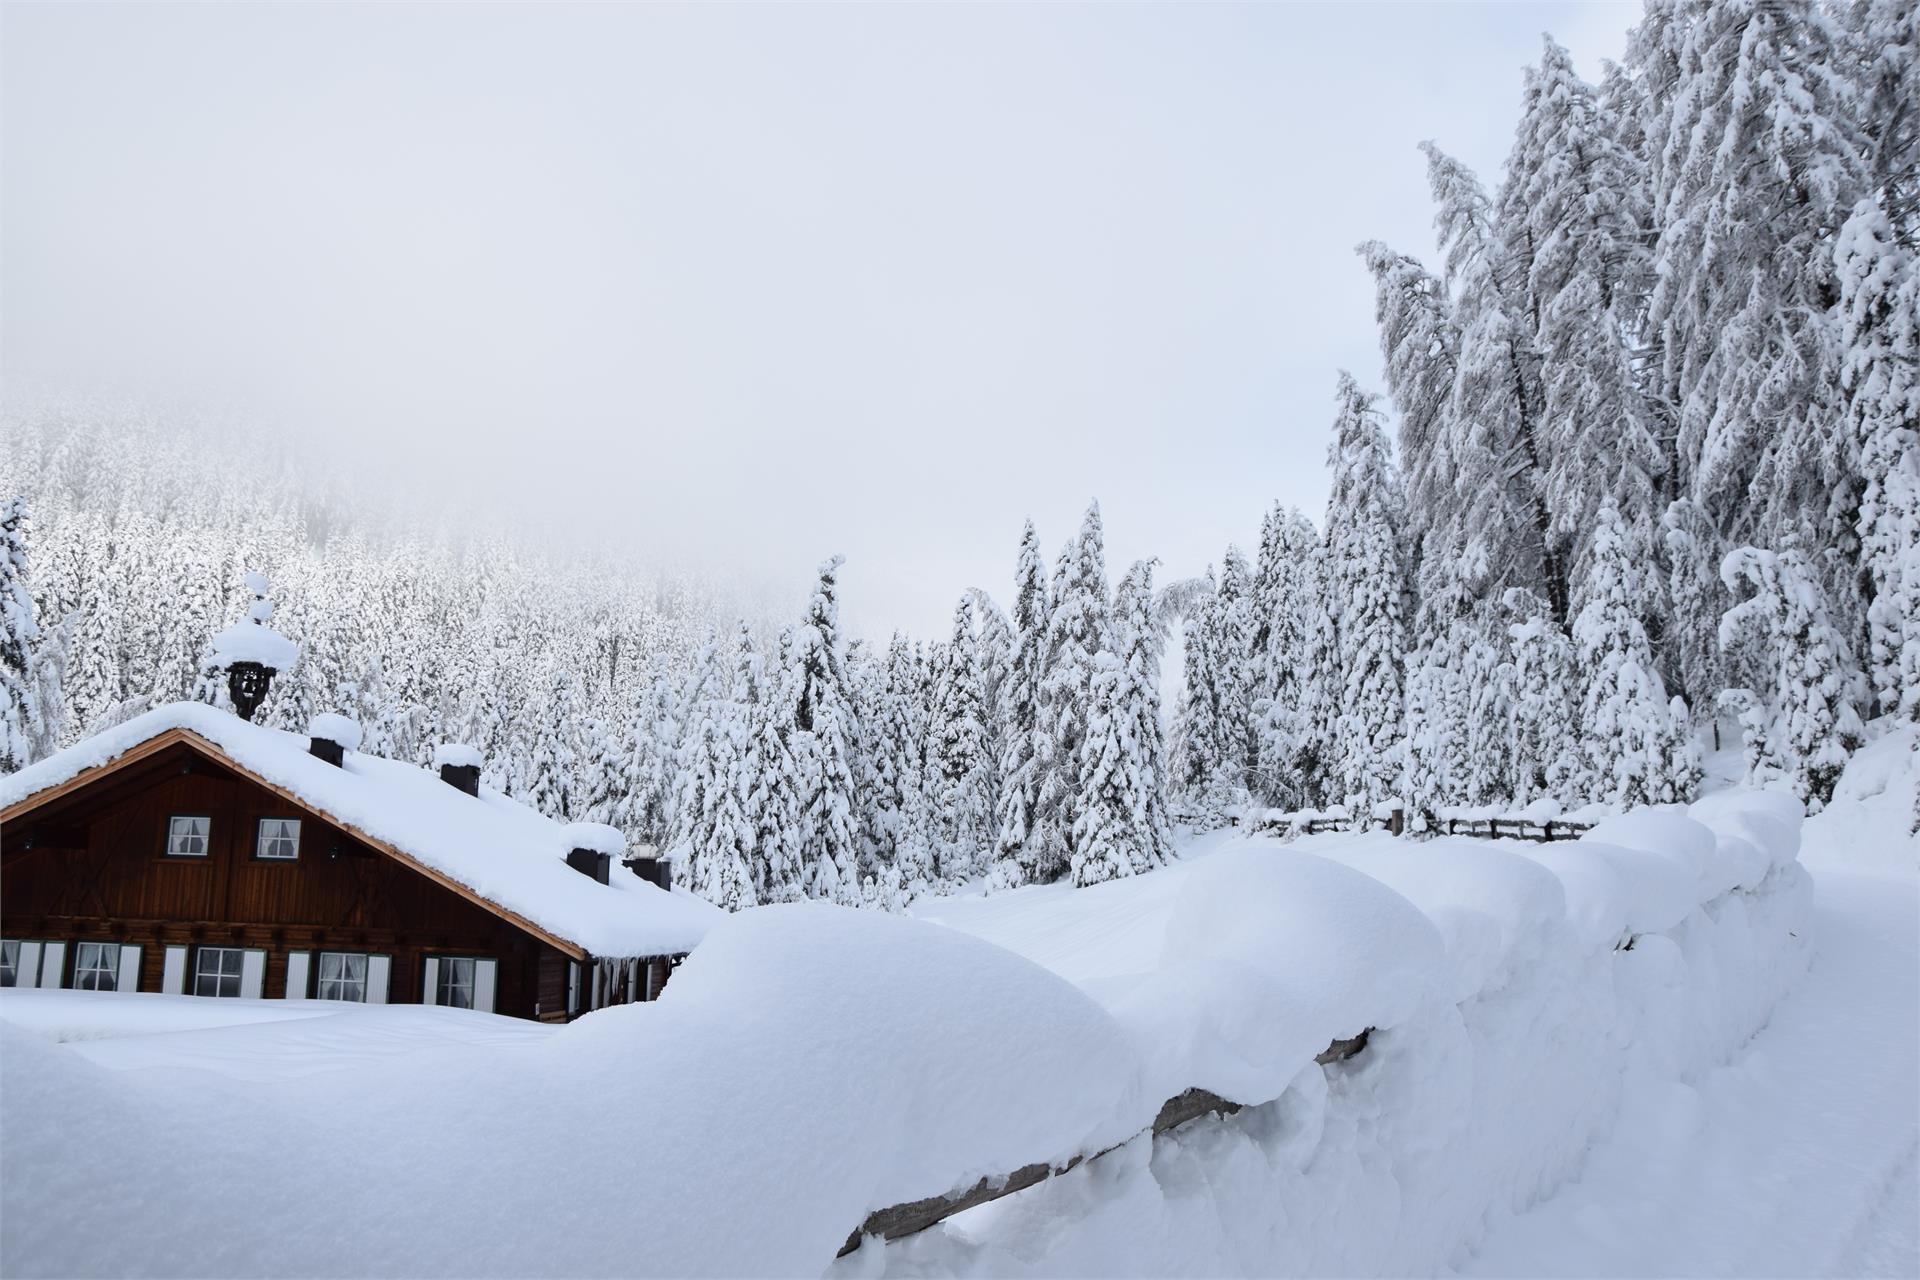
[596,837]
[253,640]
[330,726]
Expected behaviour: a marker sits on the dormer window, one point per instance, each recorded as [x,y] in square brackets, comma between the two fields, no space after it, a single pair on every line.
[279,839]
[187,835]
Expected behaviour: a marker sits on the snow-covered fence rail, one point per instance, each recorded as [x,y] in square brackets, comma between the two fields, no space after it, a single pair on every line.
[1528,824]
[914,1216]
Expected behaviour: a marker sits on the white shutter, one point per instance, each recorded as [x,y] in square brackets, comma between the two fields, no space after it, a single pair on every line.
[573,987]
[430,991]
[128,978]
[379,973]
[53,965]
[297,962]
[483,972]
[253,974]
[28,973]
[173,978]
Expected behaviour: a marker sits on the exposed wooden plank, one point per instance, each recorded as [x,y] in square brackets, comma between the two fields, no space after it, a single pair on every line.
[899,1220]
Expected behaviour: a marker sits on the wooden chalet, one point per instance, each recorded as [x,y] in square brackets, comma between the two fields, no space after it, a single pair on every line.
[189,851]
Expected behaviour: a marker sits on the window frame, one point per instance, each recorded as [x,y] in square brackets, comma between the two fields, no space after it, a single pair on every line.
[471,985]
[13,964]
[110,966]
[260,835]
[206,838]
[364,980]
[220,976]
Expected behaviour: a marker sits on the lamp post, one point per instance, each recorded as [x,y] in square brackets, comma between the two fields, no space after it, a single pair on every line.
[252,653]
[247,685]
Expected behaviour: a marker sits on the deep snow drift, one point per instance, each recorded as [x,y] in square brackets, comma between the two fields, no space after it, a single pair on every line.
[810,1064]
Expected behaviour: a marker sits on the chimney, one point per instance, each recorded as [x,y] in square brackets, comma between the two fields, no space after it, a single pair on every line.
[459,766]
[645,861]
[331,737]
[591,848]
[589,863]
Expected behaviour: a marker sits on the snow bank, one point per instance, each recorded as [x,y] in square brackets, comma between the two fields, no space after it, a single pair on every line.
[809,1065]
[1570,971]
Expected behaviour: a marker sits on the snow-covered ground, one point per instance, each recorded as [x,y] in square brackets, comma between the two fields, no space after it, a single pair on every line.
[1798,1157]
[1543,1098]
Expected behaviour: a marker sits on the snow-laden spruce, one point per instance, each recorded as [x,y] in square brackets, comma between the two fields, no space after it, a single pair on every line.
[1364,598]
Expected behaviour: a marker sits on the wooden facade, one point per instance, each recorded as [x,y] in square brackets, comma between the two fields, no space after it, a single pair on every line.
[90,862]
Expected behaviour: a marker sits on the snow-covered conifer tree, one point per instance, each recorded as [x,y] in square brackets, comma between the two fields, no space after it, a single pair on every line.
[1421,346]
[1137,637]
[826,737]
[1077,631]
[1756,150]
[1199,746]
[777,805]
[551,786]
[1503,530]
[1580,196]
[1364,596]
[1110,820]
[1695,601]
[1879,277]
[1624,711]
[1810,723]
[1235,673]
[20,715]
[957,740]
[1545,761]
[1021,756]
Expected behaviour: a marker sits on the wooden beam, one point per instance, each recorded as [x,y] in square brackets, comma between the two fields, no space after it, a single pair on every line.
[914,1216]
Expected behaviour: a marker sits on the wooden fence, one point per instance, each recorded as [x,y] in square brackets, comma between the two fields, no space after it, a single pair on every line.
[1289,825]
[917,1215]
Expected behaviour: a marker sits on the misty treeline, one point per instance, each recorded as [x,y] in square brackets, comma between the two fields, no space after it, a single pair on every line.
[1656,469]
[773,763]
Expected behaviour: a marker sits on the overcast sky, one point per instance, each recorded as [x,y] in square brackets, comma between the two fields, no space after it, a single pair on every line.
[757,283]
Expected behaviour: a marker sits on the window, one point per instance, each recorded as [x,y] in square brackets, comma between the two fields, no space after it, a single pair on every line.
[279,838]
[343,976]
[454,987]
[9,963]
[96,966]
[216,971]
[187,836]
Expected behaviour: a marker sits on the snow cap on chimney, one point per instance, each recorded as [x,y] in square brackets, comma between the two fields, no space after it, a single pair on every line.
[591,848]
[459,766]
[333,736]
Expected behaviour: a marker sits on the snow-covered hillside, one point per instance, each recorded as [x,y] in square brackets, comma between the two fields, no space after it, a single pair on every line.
[811,1064]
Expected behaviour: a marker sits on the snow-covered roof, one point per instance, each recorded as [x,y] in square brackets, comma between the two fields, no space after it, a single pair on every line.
[504,852]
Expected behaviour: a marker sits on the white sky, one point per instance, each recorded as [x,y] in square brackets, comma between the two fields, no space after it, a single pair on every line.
[758,283]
